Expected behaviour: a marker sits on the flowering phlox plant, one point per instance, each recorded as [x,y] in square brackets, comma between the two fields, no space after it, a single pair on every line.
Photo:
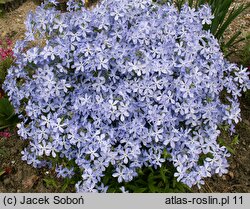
[121,84]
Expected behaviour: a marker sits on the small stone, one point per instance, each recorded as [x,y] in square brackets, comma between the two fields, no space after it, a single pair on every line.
[233,166]
[231,174]
[2,189]
[246,122]
[247,170]
[6,181]
[18,177]
[29,182]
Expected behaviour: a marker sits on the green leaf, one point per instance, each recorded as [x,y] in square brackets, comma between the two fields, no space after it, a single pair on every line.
[223,143]
[8,117]
[163,175]
[111,190]
[220,10]
[65,185]
[166,154]
[106,179]
[142,182]
[235,140]
[151,183]
[152,187]
[5,126]
[140,190]
[231,16]
[2,152]
[2,172]
[240,40]
[179,3]
[190,3]
[135,188]
[50,182]
[6,108]
[140,172]
[232,39]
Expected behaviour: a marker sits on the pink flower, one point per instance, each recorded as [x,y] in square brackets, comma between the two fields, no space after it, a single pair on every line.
[6,49]
[5,134]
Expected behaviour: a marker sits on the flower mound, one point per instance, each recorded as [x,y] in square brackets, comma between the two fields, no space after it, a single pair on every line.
[120,85]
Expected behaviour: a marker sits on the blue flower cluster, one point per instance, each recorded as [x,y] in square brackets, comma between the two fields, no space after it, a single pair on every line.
[120,85]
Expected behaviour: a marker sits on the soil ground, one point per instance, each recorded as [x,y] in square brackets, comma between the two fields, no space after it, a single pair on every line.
[20,177]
